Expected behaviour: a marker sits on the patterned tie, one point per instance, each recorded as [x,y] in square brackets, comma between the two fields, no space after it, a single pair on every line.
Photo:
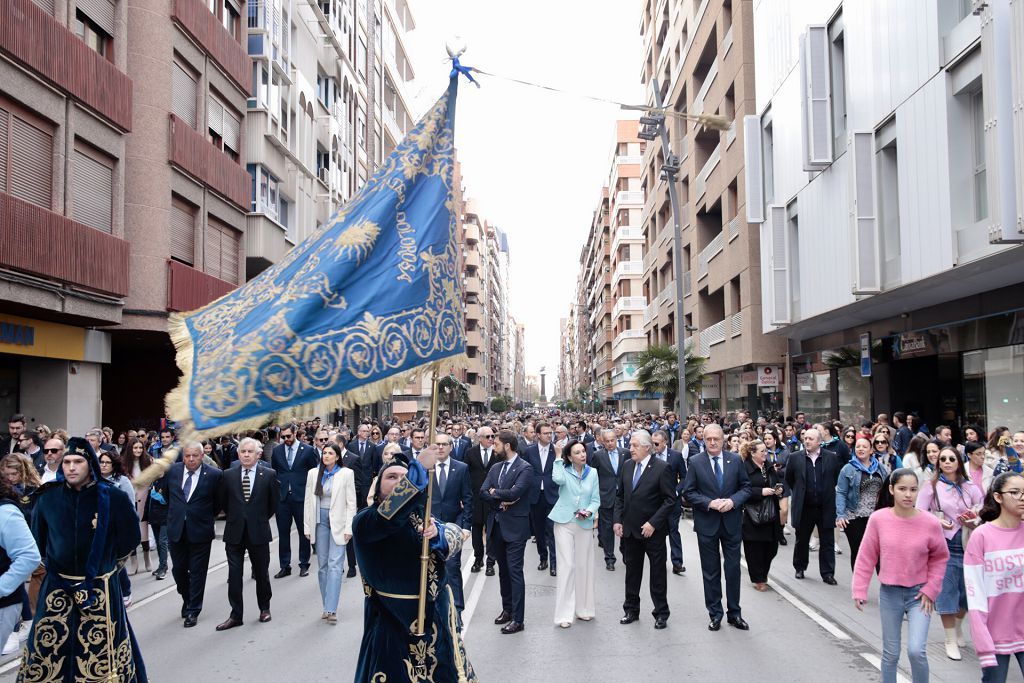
[504,471]
[291,456]
[246,485]
[188,485]
[718,472]
[442,479]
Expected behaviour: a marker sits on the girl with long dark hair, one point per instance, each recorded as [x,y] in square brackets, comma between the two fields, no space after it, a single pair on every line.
[995,593]
[134,459]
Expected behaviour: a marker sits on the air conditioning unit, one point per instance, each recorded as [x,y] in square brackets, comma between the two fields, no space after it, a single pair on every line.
[324,174]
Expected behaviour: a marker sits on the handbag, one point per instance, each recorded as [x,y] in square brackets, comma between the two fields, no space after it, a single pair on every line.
[764,512]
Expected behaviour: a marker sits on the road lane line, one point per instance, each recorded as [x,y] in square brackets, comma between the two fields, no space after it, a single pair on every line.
[876,661]
[474,598]
[817,618]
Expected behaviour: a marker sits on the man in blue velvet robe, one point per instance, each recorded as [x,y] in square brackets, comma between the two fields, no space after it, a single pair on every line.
[86,528]
[387,538]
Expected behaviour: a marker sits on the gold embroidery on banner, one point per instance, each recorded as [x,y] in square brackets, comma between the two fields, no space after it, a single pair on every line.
[422,660]
[403,492]
[237,366]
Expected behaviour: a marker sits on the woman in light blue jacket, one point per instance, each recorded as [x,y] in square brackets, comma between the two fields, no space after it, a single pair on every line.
[578,501]
[860,483]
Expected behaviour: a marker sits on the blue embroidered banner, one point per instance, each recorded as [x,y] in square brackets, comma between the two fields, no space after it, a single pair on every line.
[349,313]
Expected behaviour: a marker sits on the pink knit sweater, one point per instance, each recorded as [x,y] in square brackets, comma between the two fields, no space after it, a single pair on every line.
[994,578]
[912,550]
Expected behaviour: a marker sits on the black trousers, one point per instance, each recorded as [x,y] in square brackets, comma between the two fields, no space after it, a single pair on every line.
[543,529]
[509,556]
[633,551]
[287,511]
[189,564]
[810,517]
[350,548]
[453,569]
[675,543]
[759,556]
[855,529]
[606,532]
[478,531]
[259,555]
[711,571]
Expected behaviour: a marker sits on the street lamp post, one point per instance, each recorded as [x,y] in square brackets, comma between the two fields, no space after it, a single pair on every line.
[654,124]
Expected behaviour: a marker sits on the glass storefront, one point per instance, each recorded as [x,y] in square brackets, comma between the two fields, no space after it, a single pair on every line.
[854,396]
[814,395]
[994,387]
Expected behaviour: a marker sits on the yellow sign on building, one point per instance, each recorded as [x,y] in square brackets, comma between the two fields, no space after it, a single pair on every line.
[28,337]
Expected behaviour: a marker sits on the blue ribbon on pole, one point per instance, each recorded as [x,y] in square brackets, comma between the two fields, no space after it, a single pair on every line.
[467,71]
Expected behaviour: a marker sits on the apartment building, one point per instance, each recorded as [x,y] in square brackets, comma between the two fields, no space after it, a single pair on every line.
[594,309]
[700,56]
[65,258]
[891,209]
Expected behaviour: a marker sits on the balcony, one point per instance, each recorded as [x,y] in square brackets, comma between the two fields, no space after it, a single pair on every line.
[700,185]
[726,43]
[650,258]
[667,294]
[474,312]
[733,228]
[189,289]
[472,231]
[472,259]
[265,240]
[711,336]
[475,339]
[698,101]
[626,233]
[196,19]
[627,269]
[39,242]
[39,42]
[628,304]
[622,159]
[626,197]
[623,337]
[709,252]
[197,156]
[735,324]
[650,312]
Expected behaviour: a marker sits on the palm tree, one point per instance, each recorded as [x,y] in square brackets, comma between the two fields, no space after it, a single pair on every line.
[454,392]
[657,371]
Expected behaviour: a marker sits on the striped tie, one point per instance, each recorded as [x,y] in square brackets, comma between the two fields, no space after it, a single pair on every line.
[246,485]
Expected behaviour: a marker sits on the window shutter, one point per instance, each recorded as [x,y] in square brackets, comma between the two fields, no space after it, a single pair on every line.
[183,95]
[183,231]
[31,164]
[46,5]
[215,116]
[781,295]
[867,257]
[211,249]
[817,103]
[753,168]
[5,129]
[232,128]
[101,12]
[92,192]
[230,240]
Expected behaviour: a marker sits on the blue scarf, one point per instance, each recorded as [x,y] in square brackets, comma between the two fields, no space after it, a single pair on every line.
[328,474]
[942,478]
[857,464]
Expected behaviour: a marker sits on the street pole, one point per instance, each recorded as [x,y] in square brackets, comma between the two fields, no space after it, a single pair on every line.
[669,169]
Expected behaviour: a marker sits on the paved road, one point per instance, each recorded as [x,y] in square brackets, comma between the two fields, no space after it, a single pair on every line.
[803,630]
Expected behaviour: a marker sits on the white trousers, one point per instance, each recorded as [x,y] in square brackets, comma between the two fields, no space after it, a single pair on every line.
[574,549]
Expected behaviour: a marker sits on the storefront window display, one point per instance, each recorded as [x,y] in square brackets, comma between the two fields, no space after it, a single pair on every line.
[854,396]
[994,386]
[814,395]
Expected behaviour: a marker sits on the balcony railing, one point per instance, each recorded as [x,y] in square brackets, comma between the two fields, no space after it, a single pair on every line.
[687,285]
[726,42]
[650,311]
[709,252]
[736,324]
[667,293]
[628,303]
[698,101]
[198,21]
[629,197]
[189,289]
[39,242]
[650,258]
[627,334]
[197,156]
[627,268]
[734,228]
[711,336]
[36,40]
[700,186]
[628,159]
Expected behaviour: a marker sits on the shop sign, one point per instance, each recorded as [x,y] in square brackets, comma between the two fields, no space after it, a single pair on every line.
[767,376]
[910,345]
[40,338]
[749,377]
[865,354]
[711,387]
[19,335]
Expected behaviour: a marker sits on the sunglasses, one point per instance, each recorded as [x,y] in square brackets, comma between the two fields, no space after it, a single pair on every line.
[881,443]
[947,458]
[53,450]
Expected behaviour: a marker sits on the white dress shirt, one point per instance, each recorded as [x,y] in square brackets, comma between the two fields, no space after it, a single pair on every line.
[195,482]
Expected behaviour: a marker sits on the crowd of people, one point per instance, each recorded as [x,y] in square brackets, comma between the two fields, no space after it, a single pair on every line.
[935,513]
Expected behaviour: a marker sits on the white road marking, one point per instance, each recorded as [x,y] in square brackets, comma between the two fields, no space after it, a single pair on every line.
[876,661]
[821,621]
[474,598]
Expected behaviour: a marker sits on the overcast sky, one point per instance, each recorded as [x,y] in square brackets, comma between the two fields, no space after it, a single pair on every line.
[535,161]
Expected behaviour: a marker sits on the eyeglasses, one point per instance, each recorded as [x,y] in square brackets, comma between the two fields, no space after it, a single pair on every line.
[881,443]
[1016,494]
[106,463]
[486,436]
[53,450]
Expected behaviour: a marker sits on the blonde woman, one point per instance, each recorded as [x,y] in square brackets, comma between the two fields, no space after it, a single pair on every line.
[328,511]
[386,456]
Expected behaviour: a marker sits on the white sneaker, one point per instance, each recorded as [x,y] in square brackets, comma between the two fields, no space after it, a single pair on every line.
[814,544]
[13,644]
[839,551]
[127,601]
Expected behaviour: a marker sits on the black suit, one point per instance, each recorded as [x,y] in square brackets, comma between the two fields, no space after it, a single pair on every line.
[608,484]
[370,457]
[355,463]
[190,530]
[247,529]
[477,474]
[542,498]
[648,502]
[716,529]
[454,503]
[677,466]
[813,504]
[508,529]
[292,480]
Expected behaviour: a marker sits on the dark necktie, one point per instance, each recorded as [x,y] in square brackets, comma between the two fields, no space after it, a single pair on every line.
[442,479]
[501,477]
[291,456]
[362,447]
[246,485]
[188,486]
[636,475]
[718,471]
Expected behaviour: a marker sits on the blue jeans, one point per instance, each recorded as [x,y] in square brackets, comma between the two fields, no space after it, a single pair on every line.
[997,673]
[160,534]
[893,603]
[330,560]
[953,596]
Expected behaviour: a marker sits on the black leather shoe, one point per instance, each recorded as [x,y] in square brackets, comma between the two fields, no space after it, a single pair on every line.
[184,611]
[303,571]
[287,571]
[264,616]
[191,620]
[351,572]
[477,566]
[512,627]
[489,571]
[738,622]
[160,574]
[799,573]
[629,618]
[229,623]
[610,566]
[830,580]
[554,572]
[715,623]
[543,565]
[503,618]
[678,569]
[660,623]
[783,541]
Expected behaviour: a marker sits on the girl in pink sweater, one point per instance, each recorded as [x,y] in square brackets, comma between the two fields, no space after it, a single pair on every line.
[994,575]
[909,547]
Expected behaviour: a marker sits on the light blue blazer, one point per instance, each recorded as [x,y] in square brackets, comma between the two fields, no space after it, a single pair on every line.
[575,493]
